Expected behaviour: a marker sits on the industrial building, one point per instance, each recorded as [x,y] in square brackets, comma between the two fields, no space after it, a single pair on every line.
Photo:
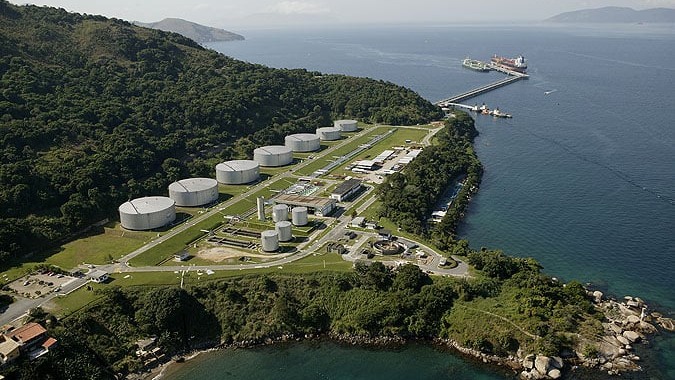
[346,190]
[273,155]
[383,156]
[193,192]
[147,213]
[303,142]
[237,172]
[319,206]
[346,125]
[329,133]
[365,165]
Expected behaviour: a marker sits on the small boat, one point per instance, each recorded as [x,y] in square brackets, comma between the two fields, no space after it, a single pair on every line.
[475,64]
[497,113]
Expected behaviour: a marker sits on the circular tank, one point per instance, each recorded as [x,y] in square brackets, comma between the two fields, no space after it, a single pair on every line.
[279,213]
[299,216]
[193,192]
[237,172]
[269,240]
[346,125]
[283,228]
[273,155]
[147,213]
[329,133]
[303,142]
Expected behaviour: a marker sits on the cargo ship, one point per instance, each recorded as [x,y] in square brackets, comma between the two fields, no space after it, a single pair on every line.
[518,64]
[475,65]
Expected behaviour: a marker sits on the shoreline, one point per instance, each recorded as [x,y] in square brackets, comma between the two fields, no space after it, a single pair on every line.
[615,356]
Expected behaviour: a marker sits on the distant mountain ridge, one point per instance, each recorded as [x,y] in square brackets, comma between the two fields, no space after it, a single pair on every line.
[196,32]
[616,15]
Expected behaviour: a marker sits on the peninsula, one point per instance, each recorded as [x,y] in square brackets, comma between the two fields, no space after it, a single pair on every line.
[196,32]
[318,222]
[616,15]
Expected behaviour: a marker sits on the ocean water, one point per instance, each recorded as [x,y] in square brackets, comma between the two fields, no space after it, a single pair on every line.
[582,178]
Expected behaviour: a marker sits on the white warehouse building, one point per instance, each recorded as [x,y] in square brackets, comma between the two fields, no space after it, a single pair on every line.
[237,172]
[329,133]
[346,125]
[147,213]
[194,192]
[273,155]
[303,142]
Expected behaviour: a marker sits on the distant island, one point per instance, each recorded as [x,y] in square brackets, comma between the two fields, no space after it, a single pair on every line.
[196,32]
[619,15]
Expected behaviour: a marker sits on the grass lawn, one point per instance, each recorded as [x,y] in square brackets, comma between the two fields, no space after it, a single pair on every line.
[65,305]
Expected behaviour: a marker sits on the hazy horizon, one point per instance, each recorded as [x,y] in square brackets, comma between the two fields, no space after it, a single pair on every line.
[259,13]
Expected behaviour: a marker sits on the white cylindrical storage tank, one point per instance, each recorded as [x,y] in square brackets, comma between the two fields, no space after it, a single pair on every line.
[269,240]
[299,216]
[273,155]
[284,230]
[147,213]
[346,125]
[237,172]
[329,133]
[193,192]
[279,213]
[303,142]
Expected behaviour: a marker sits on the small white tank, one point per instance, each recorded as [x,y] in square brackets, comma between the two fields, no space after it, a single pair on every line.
[284,230]
[346,125]
[299,216]
[329,133]
[269,240]
[279,213]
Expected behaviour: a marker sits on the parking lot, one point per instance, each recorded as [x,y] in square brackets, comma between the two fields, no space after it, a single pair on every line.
[35,285]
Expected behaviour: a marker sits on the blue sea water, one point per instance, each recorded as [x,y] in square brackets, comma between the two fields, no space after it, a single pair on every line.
[582,178]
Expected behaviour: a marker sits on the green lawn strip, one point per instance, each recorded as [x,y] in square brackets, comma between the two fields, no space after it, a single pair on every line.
[163,251]
[64,305]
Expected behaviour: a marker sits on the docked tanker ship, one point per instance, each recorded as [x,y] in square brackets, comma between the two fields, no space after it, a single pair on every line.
[518,64]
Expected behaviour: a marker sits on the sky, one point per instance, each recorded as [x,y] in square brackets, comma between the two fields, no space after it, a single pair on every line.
[245,14]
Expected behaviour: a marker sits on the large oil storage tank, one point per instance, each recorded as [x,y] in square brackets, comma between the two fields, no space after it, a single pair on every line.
[273,155]
[147,213]
[279,213]
[346,125]
[193,192]
[237,172]
[269,240]
[283,228]
[329,133]
[299,216]
[303,142]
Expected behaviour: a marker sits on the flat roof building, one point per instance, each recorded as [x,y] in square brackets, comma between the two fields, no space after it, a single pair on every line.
[346,189]
[320,206]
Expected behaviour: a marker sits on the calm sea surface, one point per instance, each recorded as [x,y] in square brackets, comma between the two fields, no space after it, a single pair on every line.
[582,178]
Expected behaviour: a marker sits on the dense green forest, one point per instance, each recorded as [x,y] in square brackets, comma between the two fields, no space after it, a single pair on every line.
[94,111]
[372,301]
[408,197]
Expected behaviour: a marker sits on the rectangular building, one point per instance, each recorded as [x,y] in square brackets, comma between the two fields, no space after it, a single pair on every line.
[346,189]
[319,206]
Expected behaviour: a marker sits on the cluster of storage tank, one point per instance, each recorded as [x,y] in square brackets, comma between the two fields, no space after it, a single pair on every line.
[154,212]
[282,227]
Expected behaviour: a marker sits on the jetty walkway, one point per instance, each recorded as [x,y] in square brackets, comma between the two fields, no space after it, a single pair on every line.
[513,76]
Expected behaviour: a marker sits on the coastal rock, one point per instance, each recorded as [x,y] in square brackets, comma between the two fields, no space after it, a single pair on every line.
[646,327]
[633,319]
[666,323]
[554,373]
[634,304]
[597,295]
[557,362]
[622,340]
[614,328]
[542,364]
[528,362]
[632,336]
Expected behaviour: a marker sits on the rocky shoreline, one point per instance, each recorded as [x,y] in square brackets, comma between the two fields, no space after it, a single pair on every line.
[627,323]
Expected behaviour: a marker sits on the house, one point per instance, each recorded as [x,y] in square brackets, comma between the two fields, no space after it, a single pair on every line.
[98,275]
[346,189]
[28,336]
[9,349]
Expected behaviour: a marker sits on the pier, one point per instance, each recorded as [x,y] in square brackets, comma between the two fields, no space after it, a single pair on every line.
[513,76]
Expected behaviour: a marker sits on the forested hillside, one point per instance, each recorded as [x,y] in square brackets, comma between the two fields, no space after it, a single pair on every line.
[95,111]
